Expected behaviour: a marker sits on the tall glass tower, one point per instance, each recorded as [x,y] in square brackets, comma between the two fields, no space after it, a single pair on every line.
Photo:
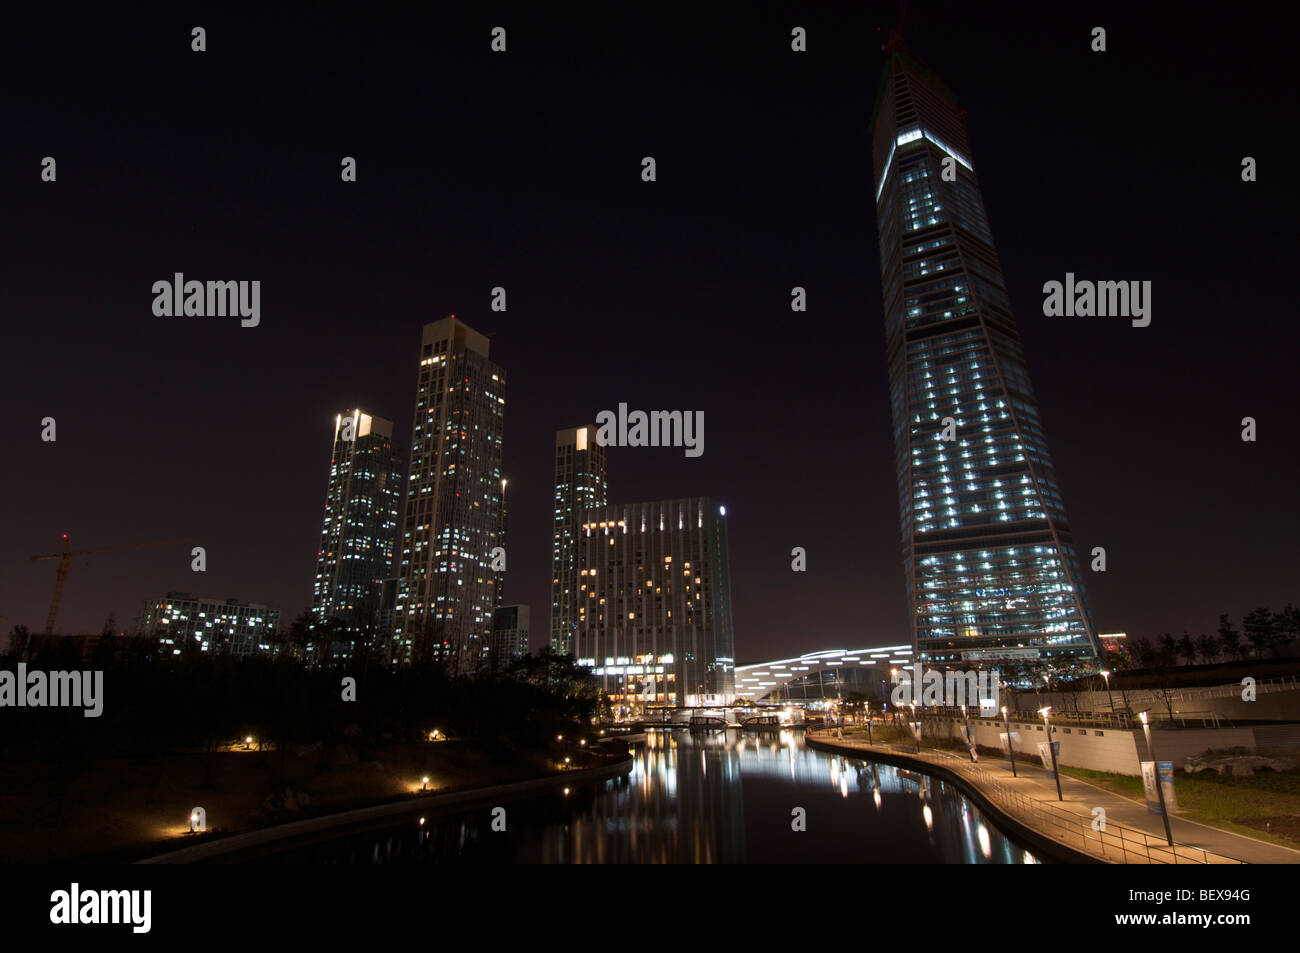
[992,573]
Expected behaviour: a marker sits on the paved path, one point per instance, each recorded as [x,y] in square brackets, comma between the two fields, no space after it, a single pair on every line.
[1036,805]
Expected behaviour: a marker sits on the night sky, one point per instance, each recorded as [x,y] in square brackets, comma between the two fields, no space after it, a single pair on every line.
[522,170]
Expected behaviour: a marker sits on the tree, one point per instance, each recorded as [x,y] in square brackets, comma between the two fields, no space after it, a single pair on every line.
[324,637]
[1208,647]
[856,703]
[20,643]
[1168,650]
[300,635]
[105,653]
[1229,639]
[1143,653]
[1187,648]
[1288,626]
[1261,630]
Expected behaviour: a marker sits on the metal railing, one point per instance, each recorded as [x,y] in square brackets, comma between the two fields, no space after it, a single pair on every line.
[1092,719]
[1114,843]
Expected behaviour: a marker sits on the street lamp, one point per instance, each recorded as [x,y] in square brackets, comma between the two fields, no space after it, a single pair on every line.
[425,785]
[1052,748]
[1011,748]
[916,729]
[1111,698]
[1160,788]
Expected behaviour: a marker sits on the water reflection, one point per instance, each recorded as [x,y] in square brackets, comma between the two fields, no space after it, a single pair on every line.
[709,797]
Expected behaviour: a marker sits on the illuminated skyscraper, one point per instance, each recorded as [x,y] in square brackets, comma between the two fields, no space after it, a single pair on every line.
[360,527]
[453,514]
[580,485]
[654,603]
[990,561]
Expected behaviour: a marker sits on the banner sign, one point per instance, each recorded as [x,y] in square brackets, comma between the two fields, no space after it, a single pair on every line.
[1166,782]
[1045,754]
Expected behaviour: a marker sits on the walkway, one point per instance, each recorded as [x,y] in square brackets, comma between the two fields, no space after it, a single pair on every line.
[1132,834]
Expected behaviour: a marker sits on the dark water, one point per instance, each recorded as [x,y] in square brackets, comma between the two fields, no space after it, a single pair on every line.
[707,798]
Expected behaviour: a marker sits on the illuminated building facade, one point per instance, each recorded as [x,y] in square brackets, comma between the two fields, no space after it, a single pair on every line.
[217,626]
[580,485]
[454,513]
[654,604]
[991,567]
[359,533]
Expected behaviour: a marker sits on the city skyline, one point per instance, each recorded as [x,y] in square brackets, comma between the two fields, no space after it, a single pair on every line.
[1134,413]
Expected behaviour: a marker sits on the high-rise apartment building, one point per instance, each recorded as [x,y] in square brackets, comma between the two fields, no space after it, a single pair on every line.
[452,519]
[654,604]
[992,572]
[510,635]
[359,532]
[217,626]
[580,485]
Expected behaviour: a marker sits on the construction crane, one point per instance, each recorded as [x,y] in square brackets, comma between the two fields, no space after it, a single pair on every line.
[65,563]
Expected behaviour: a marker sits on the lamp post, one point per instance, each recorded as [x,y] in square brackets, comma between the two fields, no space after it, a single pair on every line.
[1011,748]
[1111,698]
[1047,722]
[916,729]
[1160,788]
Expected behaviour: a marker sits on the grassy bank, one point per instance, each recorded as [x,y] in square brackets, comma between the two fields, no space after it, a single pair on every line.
[1265,806]
[117,810]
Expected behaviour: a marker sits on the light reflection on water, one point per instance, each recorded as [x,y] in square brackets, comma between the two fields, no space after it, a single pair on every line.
[716,797]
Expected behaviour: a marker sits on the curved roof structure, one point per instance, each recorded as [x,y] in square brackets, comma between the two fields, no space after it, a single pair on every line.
[763,678]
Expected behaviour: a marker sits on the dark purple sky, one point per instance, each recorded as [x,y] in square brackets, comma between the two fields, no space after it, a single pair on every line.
[523,170]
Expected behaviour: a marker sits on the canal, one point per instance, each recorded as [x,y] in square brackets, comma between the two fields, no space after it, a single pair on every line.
[706,797]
